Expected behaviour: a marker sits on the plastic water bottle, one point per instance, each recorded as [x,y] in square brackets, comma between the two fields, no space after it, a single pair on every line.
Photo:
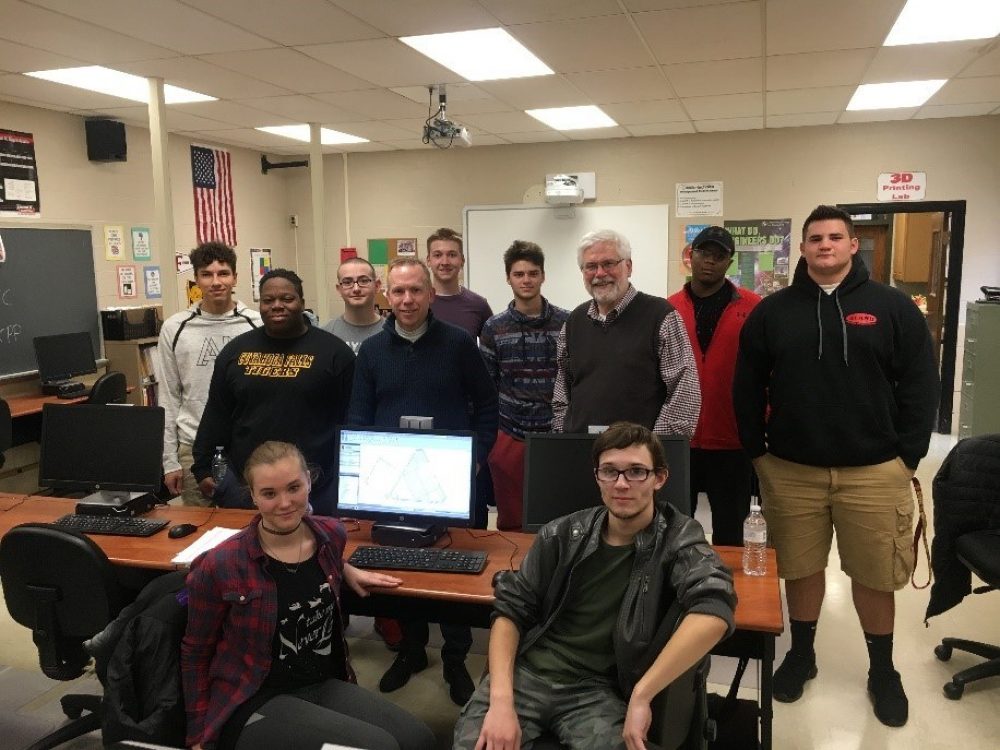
[220,465]
[755,542]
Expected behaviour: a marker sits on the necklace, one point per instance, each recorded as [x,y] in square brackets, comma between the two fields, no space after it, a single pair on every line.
[286,566]
[269,530]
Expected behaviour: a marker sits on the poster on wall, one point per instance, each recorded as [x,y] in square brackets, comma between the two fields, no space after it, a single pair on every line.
[126,282]
[151,278]
[699,198]
[260,263]
[762,250]
[182,262]
[689,232]
[141,249]
[114,242]
[381,252]
[19,194]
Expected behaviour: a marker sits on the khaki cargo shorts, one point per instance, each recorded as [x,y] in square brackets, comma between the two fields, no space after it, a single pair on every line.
[870,507]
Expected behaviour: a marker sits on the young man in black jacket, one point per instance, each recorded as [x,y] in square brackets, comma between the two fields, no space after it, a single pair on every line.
[835,393]
[574,648]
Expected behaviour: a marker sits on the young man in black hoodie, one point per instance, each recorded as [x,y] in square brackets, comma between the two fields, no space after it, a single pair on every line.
[835,393]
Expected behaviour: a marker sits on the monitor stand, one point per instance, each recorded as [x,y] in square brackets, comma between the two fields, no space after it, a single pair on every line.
[405,535]
[118,502]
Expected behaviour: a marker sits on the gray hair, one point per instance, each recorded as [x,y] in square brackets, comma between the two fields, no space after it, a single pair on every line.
[590,239]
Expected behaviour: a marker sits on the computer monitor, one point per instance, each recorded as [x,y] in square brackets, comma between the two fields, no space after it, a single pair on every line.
[410,478]
[91,447]
[64,356]
[559,476]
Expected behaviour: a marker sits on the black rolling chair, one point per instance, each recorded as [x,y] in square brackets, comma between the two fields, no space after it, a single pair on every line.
[980,552]
[110,388]
[62,586]
[6,429]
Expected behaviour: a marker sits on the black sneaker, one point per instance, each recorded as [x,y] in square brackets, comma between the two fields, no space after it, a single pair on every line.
[791,676]
[399,673]
[460,685]
[886,691]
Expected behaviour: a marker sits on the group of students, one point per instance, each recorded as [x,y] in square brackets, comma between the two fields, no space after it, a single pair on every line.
[852,392]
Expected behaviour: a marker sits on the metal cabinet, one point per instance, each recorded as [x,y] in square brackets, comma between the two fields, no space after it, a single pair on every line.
[980,407]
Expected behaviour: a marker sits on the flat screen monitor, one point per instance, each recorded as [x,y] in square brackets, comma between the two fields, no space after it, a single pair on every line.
[92,447]
[559,476]
[407,477]
[64,356]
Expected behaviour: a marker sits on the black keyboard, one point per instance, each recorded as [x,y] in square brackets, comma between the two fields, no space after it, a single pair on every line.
[111,525]
[419,558]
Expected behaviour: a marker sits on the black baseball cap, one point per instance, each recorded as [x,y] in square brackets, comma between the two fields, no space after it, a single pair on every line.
[718,235]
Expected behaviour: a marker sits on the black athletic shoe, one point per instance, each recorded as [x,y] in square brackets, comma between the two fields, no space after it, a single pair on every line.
[460,685]
[402,668]
[791,676]
[886,691]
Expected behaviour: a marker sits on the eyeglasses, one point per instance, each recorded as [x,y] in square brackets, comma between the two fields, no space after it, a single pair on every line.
[361,281]
[605,265]
[609,474]
[712,253]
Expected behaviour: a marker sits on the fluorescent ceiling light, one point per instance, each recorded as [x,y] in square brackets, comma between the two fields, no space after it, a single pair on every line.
[894,95]
[327,137]
[926,21]
[481,55]
[573,118]
[115,83]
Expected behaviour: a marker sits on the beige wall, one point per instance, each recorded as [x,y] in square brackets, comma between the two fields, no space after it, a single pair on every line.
[767,174]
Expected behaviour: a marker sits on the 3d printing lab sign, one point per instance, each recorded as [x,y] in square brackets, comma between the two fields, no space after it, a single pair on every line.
[902,186]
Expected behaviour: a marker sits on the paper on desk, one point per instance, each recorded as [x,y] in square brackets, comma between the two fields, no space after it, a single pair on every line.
[205,542]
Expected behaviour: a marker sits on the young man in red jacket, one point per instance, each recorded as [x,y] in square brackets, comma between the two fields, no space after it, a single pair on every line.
[713,310]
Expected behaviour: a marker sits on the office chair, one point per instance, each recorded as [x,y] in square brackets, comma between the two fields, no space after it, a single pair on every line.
[979,551]
[6,429]
[110,388]
[62,586]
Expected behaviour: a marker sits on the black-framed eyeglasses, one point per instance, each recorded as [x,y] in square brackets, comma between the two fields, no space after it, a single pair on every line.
[361,281]
[609,474]
[712,253]
[605,265]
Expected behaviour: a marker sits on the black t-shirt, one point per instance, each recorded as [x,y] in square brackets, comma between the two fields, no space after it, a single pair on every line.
[708,311]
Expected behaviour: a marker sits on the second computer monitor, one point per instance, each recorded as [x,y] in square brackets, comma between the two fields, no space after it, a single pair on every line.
[64,356]
[559,476]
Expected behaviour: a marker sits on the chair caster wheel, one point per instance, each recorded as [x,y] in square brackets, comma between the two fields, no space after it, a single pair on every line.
[953,690]
[73,713]
[942,652]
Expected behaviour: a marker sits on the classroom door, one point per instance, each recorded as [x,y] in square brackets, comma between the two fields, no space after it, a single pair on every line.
[872,245]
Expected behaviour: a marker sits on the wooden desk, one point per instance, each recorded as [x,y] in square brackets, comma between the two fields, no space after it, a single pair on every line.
[434,596]
[24,406]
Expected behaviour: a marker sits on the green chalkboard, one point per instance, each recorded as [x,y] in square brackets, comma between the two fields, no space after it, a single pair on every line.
[47,286]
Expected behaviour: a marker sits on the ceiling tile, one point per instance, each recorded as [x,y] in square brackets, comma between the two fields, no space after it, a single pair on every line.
[661,128]
[297,22]
[634,113]
[735,123]
[798,101]
[801,119]
[69,97]
[503,122]
[260,139]
[289,69]
[235,113]
[201,76]
[921,62]
[543,136]
[176,119]
[877,115]
[412,17]
[16,58]
[383,62]
[167,23]
[955,110]
[729,106]
[632,85]
[637,6]
[717,77]
[987,65]
[533,93]
[370,146]
[592,134]
[968,91]
[488,139]
[603,43]
[533,11]
[301,108]
[410,144]
[818,25]
[373,130]
[463,99]
[714,32]
[839,68]
[375,103]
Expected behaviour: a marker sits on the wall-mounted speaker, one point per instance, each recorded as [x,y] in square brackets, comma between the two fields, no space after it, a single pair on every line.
[106,140]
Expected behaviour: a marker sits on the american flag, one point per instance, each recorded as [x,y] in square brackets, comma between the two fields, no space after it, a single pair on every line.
[214,219]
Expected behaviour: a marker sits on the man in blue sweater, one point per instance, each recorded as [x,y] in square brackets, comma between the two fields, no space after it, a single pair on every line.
[418,365]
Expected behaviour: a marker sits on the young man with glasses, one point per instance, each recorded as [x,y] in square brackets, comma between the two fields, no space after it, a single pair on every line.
[358,285]
[581,642]
[713,310]
[624,355]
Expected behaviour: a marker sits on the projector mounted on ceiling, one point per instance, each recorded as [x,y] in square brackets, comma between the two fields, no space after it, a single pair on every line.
[441,131]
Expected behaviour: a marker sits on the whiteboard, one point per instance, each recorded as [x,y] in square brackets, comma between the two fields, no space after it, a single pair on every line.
[489,231]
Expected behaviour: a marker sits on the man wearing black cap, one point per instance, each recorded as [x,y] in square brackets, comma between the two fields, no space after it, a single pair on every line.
[713,310]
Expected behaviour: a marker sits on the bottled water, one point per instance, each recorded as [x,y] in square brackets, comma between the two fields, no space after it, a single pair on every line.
[220,465]
[755,542]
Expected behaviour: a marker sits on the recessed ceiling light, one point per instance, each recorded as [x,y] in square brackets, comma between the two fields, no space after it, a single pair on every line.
[926,21]
[481,55]
[573,118]
[327,137]
[894,95]
[115,83]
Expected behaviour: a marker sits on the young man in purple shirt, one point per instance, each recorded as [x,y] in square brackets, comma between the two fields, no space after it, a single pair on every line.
[453,303]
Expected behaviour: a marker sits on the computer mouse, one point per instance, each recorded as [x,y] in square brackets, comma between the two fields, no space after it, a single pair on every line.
[181,530]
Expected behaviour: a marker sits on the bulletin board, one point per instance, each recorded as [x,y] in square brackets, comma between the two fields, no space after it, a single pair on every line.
[383,251]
